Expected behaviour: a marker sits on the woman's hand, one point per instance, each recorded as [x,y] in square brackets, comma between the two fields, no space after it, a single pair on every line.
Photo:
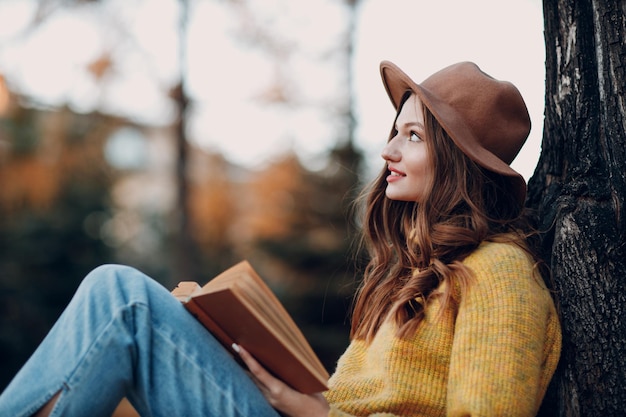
[282,397]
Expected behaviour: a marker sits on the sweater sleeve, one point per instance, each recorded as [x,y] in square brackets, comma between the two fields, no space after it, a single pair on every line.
[500,333]
[334,412]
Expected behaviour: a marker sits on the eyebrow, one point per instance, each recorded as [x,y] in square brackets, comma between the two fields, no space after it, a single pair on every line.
[411,124]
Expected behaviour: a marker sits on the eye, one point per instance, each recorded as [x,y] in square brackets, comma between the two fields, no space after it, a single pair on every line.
[414,137]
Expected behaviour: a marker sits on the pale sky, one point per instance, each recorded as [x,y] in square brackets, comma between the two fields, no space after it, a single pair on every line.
[505,38]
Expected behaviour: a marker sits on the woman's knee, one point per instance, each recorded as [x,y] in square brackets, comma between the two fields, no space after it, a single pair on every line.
[114,279]
[104,274]
[119,287]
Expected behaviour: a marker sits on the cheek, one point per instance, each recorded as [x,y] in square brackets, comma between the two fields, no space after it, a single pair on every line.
[425,174]
[422,165]
[428,170]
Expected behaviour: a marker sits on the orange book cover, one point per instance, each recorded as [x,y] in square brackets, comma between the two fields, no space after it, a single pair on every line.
[238,307]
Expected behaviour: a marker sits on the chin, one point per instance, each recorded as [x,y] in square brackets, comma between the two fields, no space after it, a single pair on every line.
[395,196]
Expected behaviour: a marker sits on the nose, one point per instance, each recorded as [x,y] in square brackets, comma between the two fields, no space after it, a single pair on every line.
[390,151]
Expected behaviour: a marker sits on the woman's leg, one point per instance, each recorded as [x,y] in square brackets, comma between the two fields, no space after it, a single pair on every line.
[47,408]
[123,334]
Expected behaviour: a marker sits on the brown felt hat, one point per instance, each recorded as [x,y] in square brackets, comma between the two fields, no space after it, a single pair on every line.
[486,118]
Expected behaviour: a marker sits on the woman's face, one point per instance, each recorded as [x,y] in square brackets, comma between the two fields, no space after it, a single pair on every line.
[408,162]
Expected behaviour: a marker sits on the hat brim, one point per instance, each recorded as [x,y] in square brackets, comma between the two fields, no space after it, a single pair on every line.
[397,82]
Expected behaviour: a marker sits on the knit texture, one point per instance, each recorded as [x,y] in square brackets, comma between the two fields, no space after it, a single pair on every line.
[492,352]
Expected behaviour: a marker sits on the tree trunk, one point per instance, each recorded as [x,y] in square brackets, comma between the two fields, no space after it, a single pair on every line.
[578,191]
[185,249]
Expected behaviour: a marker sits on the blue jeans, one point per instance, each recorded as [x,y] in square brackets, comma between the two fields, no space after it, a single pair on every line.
[123,334]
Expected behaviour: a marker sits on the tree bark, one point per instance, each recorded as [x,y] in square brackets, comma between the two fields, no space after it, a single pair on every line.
[185,248]
[578,191]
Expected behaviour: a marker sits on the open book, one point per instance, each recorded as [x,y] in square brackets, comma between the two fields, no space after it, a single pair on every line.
[238,307]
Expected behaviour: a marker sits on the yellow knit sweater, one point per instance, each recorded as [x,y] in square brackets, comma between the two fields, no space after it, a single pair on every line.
[491,353]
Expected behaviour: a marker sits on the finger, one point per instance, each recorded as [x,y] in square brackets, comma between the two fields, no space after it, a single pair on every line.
[279,395]
[264,390]
[255,368]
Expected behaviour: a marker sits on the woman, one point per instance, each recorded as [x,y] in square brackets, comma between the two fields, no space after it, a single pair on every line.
[452,317]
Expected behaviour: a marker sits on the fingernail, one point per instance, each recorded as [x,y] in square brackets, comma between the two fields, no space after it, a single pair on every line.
[236,348]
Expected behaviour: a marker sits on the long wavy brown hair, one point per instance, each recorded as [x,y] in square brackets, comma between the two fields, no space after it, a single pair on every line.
[414,247]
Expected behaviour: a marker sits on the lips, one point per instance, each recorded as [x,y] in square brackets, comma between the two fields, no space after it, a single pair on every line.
[394,174]
[395,171]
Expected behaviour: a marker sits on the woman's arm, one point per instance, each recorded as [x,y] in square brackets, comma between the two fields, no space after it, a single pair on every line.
[286,400]
[498,364]
[280,395]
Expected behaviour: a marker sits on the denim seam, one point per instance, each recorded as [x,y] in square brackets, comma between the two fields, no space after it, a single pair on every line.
[217,386]
[97,341]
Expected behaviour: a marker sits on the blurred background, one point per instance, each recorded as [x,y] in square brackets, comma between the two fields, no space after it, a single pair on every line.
[181,136]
